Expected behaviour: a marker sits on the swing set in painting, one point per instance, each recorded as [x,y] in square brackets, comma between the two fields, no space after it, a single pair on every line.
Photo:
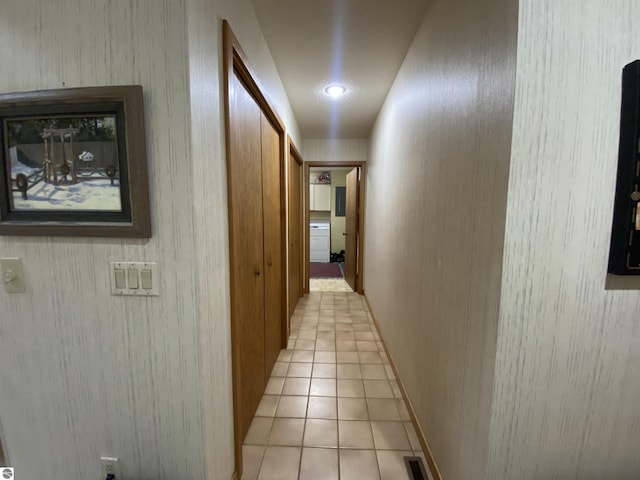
[73,163]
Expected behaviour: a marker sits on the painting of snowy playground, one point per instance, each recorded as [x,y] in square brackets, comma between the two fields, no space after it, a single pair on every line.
[63,163]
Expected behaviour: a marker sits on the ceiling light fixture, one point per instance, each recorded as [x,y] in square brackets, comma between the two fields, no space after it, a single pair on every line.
[335,90]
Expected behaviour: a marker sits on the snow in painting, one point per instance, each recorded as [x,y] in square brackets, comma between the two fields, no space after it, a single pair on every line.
[92,193]
[66,163]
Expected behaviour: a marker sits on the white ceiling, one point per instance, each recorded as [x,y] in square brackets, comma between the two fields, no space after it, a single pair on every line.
[358,43]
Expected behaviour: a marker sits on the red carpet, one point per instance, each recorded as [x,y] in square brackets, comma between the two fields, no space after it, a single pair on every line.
[324,270]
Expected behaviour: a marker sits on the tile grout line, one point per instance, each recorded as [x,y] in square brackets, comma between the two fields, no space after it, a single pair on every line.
[314,323]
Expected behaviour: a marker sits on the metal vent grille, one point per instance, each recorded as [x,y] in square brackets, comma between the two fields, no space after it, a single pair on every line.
[415,468]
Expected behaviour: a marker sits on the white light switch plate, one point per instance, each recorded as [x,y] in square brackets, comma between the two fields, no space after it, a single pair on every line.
[131,274]
[12,275]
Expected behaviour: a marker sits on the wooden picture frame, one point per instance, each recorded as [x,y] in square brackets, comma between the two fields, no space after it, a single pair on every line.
[73,163]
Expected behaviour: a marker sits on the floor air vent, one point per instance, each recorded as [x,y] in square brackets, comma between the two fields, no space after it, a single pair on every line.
[415,468]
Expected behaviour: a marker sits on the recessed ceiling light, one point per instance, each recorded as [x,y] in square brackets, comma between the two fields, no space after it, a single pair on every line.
[335,90]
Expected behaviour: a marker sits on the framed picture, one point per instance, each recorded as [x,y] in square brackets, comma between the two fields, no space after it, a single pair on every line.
[73,162]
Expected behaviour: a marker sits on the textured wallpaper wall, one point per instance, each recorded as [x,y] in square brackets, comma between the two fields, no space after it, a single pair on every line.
[567,389]
[335,150]
[86,374]
[436,198]
[83,373]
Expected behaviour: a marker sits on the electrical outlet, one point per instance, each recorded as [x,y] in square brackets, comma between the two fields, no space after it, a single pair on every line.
[110,467]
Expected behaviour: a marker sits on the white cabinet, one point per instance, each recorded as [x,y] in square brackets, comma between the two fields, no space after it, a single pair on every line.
[319,197]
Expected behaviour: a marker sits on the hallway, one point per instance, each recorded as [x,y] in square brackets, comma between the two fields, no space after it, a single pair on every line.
[332,408]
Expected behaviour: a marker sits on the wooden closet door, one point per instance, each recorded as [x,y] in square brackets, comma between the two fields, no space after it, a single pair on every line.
[351,228]
[273,217]
[295,233]
[246,250]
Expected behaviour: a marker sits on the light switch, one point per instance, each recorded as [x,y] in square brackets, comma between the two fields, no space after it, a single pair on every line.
[132,278]
[145,278]
[120,283]
[136,279]
[12,275]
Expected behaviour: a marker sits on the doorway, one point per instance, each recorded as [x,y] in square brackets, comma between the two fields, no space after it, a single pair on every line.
[334,222]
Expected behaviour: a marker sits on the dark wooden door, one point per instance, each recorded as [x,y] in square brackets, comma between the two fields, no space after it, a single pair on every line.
[246,249]
[351,227]
[273,223]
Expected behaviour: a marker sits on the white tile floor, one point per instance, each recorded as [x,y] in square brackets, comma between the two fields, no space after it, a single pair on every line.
[332,409]
[329,285]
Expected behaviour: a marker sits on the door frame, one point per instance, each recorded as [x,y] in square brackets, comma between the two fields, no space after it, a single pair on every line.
[361,212]
[235,63]
[295,154]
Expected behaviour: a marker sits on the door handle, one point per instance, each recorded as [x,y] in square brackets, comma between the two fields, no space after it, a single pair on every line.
[257,272]
[269,263]
[344,233]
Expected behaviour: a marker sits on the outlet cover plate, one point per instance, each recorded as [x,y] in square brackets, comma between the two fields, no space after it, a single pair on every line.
[110,466]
